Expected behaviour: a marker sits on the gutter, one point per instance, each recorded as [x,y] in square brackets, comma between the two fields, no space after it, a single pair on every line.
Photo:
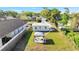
[12,42]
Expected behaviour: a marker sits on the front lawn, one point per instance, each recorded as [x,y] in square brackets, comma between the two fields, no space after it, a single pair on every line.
[56,42]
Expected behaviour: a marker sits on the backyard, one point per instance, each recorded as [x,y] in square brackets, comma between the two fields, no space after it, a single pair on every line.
[56,42]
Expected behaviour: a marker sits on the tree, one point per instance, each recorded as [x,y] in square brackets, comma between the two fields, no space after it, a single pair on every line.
[55,14]
[55,11]
[45,13]
[76,39]
[2,13]
[11,13]
[66,10]
[23,17]
[45,8]
[26,13]
[65,18]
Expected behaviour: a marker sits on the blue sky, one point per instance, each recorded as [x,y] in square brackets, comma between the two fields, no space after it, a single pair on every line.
[37,9]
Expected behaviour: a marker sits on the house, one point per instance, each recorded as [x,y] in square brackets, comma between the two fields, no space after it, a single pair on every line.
[6,18]
[39,37]
[69,23]
[9,17]
[10,33]
[42,26]
[2,18]
[34,17]
[75,24]
[60,25]
[76,28]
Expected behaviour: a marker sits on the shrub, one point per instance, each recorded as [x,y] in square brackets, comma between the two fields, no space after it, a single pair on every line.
[76,39]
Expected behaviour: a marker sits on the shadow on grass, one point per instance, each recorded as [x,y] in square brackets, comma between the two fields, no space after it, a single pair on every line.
[20,46]
[27,36]
[54,30]
[49,42]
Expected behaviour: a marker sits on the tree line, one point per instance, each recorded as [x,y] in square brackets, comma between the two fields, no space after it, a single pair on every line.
[53,14]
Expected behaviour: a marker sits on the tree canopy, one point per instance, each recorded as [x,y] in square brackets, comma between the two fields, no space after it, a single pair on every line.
[45,13]
[65,18]
[11,13]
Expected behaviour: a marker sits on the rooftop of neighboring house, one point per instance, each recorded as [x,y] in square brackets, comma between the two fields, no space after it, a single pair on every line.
[42,23]
[7,26]
[6,18]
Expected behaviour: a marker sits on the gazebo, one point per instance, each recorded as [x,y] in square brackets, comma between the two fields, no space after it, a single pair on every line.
[39,37]
[36,34]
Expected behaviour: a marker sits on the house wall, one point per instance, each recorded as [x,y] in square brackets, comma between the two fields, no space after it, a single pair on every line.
[40,28]
[0,42]
[10,34]
[13,33]
[10,44]
[16,35]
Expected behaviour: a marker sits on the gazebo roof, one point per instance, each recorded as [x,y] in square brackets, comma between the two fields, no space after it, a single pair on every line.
[38,34]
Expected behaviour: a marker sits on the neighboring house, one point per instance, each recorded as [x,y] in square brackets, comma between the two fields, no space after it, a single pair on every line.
[60,25]
[34,17]
[2,18]
[69,23]
[64,27]
[10,32]
[9,17]
[41,26]
[29,17]
[76,26]
[6,18]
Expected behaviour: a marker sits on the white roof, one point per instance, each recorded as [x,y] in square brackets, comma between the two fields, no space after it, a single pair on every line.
[38,34]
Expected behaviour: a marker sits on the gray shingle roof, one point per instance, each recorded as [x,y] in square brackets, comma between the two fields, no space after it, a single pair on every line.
[8,26]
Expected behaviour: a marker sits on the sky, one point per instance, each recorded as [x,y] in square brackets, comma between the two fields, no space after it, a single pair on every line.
[37,9]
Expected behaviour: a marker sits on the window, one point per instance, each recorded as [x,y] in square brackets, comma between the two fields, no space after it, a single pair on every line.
[35,27]
[45,27]
[5,39]
[21,28]
[39,26]
[41,39]
[16,31]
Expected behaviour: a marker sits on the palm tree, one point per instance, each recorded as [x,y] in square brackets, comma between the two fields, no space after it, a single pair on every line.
[55,14]
[45,8]
[2,13]
[66,10]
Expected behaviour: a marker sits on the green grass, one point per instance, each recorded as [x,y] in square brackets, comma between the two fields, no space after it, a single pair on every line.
[56,42]
[27,36]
